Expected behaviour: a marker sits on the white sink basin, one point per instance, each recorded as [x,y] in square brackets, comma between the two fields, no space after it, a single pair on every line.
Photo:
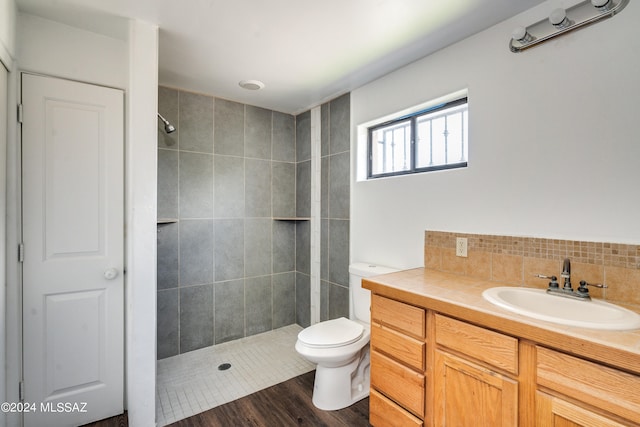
[537,303]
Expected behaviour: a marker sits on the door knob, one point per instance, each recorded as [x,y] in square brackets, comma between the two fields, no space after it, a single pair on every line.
[110,273]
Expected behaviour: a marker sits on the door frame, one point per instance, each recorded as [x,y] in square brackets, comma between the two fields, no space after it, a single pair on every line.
[4,137]
[13,338]
[15,361]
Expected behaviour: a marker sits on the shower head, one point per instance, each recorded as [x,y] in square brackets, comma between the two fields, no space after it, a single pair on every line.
[168,127]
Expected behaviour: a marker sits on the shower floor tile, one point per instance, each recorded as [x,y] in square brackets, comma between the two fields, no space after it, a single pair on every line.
[191,383]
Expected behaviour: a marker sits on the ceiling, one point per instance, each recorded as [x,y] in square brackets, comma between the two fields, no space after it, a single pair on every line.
[306,52]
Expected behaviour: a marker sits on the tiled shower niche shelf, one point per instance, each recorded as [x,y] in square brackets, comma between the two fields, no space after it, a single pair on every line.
[162,221]
[290,218]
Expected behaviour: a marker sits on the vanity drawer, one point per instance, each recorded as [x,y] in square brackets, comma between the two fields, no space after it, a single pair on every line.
[405,349]
[384,413]
[602,387]
[398,315]
[496,349]
[398,382]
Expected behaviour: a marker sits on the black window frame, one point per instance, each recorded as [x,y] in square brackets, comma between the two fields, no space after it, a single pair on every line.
[413,117]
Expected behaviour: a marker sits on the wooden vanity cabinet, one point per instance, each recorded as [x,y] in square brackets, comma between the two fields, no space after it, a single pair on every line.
[474,370]
[576,392]
[431,369]
[397,363]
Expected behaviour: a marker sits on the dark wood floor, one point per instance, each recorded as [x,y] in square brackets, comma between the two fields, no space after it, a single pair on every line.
[117,421]
[285,404]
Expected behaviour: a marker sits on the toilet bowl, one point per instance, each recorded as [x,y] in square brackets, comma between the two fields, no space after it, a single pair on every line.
[340,347]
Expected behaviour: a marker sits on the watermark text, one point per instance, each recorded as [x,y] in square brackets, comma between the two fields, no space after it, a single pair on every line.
[48,407]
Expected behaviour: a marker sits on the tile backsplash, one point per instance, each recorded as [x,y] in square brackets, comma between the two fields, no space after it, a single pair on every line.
[516,260]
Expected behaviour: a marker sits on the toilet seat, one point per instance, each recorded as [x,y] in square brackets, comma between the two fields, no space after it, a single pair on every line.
[331,333]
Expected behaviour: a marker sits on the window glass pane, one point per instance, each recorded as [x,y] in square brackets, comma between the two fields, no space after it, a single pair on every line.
[431,139]
[442,137]
[457,138]
[423,150]
[391,148]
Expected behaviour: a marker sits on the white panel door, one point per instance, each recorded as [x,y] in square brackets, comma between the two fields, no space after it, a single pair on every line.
[73,287]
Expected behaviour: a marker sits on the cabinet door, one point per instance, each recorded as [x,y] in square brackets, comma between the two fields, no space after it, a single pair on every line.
[469,395]
[552,411]
[608,389]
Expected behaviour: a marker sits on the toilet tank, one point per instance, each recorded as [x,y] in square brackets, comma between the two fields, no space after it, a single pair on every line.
[360,297]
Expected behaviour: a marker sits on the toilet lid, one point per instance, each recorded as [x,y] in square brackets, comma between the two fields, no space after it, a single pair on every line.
[331,333]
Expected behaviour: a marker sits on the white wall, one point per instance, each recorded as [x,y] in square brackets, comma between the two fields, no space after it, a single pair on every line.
[553,148]
[56,49]
[141,199]
[7,32]
[60,50]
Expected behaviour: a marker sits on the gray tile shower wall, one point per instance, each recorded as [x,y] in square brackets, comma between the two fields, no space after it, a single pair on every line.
[334,211]
[284,189]
[284,291]
[335,208]
[226,269]
[303,228]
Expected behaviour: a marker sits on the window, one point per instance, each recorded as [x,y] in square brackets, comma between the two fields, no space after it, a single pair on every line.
[431,139]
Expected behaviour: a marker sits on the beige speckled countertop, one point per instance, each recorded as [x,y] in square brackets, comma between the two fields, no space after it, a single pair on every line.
[461,297]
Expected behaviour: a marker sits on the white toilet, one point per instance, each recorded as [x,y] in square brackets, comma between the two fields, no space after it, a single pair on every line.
[340,347]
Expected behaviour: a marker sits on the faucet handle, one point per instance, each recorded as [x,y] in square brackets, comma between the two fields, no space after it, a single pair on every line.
[584,284]
[554,280]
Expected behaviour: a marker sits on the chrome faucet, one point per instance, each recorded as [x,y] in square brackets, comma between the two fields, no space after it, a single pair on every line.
[582,293]
[566,275]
